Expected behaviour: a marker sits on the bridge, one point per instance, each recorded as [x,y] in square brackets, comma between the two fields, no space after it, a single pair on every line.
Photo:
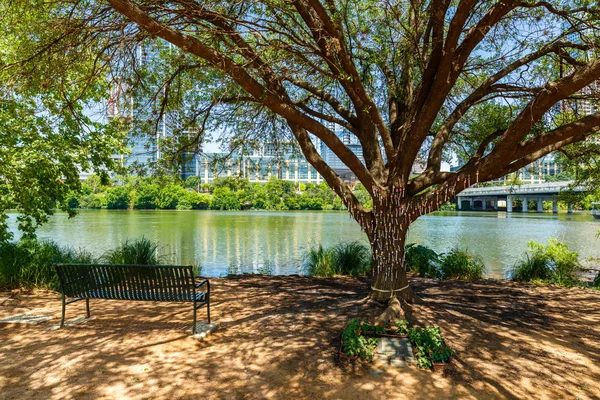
[504,197]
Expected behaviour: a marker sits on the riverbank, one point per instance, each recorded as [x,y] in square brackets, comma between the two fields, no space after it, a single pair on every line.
[279,337]
[250,241]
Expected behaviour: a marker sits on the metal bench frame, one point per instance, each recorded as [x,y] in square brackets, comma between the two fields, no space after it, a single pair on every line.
[131,282]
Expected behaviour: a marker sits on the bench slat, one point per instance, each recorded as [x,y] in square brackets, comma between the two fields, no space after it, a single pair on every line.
[127,282]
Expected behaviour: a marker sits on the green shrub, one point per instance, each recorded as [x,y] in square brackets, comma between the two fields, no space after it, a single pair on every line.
[430,346]
[402,327]
[460,264]
[356,344]
[531,268]
[145,197]
[169,196]
[596,282]
[353,258]
[140,251]
[90,201]
[28,263]
[553,263]
[198,201]
[319,262]
[117,198]
[422,260]
[224,199]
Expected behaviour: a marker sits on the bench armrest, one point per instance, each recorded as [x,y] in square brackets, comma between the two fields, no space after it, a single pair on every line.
[202,283]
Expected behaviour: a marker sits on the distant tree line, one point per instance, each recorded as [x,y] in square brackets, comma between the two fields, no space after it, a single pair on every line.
[231,193]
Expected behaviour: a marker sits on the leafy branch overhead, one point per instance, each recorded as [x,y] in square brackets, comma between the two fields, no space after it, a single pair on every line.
[402,77]
[494,84]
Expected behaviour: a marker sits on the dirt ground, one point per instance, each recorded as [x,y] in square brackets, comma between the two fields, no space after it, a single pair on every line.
[279,338]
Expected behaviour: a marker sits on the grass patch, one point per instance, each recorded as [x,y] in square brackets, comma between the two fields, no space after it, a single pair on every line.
[423,260]
[596,281]
[352,258]
[357,344]
[319,261]
[28,263]
[140,251]
[460,264]
[551,263]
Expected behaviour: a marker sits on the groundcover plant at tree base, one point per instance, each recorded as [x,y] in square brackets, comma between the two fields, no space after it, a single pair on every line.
[493,84]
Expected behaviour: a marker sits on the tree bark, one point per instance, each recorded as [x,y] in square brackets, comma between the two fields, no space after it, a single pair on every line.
[387,230]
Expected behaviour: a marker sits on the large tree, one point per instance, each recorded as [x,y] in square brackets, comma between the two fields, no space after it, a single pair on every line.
[409,79]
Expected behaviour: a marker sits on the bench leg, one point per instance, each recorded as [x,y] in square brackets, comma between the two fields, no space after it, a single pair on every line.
[64,306]
[87,306]
[194,326]
[208,310]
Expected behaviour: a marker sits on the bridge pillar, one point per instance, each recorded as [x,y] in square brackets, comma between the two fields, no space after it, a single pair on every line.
[524,207]
[509,201]
[555,206]
[483,201]
[540,205]
[570,208]
[459,203]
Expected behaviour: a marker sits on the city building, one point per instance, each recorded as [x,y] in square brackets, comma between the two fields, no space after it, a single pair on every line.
[536,172]
[141,106]
[256,168]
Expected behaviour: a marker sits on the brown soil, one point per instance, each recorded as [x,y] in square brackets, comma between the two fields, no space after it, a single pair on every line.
[279,338]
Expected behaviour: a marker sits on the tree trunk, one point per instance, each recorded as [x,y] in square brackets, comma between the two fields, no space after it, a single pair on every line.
[387,235]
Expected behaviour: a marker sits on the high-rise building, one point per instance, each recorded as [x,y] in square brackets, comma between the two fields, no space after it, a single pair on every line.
[149,125]
[589,104]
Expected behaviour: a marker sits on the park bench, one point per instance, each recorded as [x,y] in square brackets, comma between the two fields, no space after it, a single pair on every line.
[131,282]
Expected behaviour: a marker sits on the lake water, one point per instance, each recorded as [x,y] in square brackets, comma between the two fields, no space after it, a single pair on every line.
[253,241]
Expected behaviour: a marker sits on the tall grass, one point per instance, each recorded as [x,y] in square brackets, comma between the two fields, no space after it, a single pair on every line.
[319,261]
[596,281]
[139,251]
[352,258]
[460,264]
[28,263]
[423,260]
[531,268]
[553,263]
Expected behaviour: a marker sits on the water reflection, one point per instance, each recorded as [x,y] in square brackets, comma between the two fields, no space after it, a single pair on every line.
[275,241]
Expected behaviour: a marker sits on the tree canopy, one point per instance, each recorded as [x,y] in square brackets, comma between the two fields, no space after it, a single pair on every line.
[493,83]
[45,135]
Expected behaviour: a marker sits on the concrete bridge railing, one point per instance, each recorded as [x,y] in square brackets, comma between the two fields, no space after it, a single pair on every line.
[492,195]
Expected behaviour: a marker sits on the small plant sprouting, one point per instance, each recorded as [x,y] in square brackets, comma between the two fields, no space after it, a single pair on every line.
[356,343]
[402,327]
[430,346]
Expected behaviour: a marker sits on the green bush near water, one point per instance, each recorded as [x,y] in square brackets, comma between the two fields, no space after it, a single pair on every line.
[596,282]
[141,251]
[318,261]
[28,263]
[352,258]
[456,264]
[551,263]
[462,265]
[423,260]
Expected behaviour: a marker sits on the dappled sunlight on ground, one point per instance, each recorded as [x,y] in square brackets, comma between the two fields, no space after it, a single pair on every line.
[279,338]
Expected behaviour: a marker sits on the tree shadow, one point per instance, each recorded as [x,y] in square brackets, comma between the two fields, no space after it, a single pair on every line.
[279,338]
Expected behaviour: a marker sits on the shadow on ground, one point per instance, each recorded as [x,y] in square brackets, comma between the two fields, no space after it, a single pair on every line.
[279,338]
